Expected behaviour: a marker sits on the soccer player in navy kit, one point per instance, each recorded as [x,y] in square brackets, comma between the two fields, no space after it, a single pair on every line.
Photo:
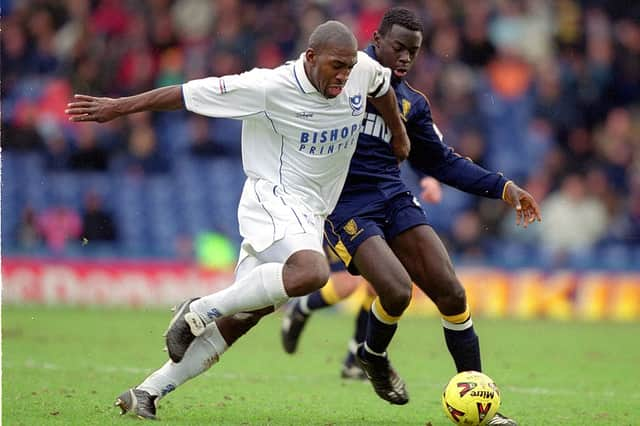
[380,231]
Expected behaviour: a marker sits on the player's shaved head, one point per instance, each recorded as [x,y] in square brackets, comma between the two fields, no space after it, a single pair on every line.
[332,53]
[332,34]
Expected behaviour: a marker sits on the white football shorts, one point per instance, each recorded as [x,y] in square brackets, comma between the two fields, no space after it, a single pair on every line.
[274,225]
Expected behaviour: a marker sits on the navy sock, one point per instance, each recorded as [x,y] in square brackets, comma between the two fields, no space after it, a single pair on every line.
[361,325]
[379,334]
[359,334]
[464,347]
[316,301]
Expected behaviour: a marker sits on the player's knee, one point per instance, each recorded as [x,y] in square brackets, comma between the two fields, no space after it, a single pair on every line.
[313,278]
[454,299]
[396,301]
[306,278]
[317,275]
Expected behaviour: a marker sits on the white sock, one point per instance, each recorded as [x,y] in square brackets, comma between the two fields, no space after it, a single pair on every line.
[371,351]
[353,346]
[201,355]
[304,305]
[258,289]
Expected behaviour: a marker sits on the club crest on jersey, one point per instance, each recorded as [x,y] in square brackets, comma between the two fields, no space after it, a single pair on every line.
[351,228]
[356,103]
[406,107]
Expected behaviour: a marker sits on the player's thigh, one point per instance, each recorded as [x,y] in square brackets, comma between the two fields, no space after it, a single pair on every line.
[305,265]
[343,282]
[271,226]
[358,240]
[378,264]
[426,259]
[283,250]
[422,253]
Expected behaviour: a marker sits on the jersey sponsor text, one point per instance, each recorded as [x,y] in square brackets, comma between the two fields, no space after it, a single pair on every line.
[374,125]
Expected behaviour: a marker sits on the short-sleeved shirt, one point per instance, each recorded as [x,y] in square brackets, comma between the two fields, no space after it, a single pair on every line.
[292,136]
[296,145]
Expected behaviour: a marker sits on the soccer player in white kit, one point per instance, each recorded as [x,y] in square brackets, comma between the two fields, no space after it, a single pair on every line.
[301,122]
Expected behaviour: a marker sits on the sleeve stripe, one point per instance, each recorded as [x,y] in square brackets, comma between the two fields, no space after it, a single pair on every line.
[378,89]
[222,86]
[184,98]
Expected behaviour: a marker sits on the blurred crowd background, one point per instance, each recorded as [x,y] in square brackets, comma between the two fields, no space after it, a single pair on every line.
[548,92]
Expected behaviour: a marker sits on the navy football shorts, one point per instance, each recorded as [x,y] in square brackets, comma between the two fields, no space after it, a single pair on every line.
[358,217]
[335,263]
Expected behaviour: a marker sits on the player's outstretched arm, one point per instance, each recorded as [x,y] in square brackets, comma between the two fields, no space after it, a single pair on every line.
[387,106]
[526,207]
[90,108]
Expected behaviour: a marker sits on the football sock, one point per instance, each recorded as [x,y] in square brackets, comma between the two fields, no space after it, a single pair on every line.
[380,330]
[201,355]
[351,352]
[260,288]
[301,305]
[361,329]
[324,297]
[319,299]
[361,323]
[462,341]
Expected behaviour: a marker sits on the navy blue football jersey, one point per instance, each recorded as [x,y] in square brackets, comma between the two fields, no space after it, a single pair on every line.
[374,166]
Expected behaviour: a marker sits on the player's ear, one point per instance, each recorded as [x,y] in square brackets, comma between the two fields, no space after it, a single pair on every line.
[377,38]
[310,55]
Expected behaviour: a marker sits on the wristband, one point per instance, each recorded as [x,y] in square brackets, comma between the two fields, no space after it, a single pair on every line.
[504,189]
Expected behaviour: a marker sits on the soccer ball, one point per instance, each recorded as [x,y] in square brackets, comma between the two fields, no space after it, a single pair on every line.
[471,398]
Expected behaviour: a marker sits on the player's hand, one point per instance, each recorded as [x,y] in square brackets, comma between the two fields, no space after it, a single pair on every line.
[431,190]
[401,146]
[89,108]
[526,207]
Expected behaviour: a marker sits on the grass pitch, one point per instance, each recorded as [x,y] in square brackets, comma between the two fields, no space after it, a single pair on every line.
[64,366]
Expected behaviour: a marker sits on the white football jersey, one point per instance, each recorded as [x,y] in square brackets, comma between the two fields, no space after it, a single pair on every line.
[292,136]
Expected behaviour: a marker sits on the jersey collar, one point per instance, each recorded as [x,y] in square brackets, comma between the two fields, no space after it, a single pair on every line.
[301,76]
[371,51]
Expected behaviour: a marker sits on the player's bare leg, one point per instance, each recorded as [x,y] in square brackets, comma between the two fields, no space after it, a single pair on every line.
[233,327]
[340,286]
[351,369]
[202,355]
[426,259]
[380,267]
[268,284]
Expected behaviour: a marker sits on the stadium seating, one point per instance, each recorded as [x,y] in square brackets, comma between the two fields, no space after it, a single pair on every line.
[200,195]
[150,213]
